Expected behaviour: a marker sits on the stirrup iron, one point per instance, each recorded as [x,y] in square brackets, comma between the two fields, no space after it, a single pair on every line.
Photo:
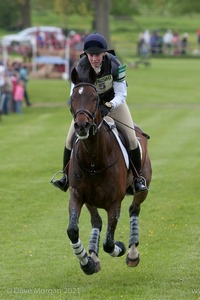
[52,179]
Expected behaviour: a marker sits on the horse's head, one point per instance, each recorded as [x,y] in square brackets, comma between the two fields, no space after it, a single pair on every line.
[84,105]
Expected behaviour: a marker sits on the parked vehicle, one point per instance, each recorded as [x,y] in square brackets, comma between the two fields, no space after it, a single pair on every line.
[27,35]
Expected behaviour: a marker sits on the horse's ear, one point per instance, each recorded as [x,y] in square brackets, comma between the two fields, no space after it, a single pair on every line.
[92,75]
[74,76]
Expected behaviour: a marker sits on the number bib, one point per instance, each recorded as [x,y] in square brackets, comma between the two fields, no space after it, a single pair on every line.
[104,84]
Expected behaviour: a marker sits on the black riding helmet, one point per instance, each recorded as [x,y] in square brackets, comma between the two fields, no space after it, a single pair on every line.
[95,43]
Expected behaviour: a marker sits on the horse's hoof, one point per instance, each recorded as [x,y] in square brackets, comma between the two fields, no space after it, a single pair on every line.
[90,267]
[132,262]
[94,256]
[97,267]
[122,247]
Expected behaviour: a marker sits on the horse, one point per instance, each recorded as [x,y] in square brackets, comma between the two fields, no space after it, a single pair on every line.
[99,177]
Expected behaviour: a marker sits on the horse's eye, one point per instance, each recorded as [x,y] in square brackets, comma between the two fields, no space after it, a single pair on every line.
[96,98]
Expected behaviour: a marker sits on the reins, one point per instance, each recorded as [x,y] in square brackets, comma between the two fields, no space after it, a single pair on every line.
[142,133]
[90,84]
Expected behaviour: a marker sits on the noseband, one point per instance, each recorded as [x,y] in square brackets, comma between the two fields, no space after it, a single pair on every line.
[86,112]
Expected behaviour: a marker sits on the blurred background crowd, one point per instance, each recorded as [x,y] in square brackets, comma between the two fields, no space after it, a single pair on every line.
[13,88]
[171,43]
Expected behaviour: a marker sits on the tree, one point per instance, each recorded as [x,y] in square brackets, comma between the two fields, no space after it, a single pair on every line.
[101,13]
[99,8]
[9,13]
[15,13]
[25,10]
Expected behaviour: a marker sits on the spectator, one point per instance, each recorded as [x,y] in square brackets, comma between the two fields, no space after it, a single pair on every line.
[7,94]
[19,96]
[184,43]
[14,79]
[147,37]
[156,42]
[140,43]
[23,75]
[143,49]
[176,43]
[2,76]
[198,37]
[159,43]
[168,39]
[153,41]
[2,83]
[40,39]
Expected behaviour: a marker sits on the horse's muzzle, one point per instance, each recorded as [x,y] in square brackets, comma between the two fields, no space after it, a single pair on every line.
[82,129]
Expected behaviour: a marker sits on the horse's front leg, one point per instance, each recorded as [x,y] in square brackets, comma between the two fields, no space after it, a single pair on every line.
[93,246]
[110,246]
[86,262]
[133,258]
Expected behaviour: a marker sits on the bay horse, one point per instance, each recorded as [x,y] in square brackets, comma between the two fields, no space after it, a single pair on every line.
[98,177]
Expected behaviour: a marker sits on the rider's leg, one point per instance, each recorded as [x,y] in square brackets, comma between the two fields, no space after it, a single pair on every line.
[62,183]
[123,115]
[139,182]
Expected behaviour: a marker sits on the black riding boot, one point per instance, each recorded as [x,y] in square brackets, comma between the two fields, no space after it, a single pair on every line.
[62,183]
[139,182]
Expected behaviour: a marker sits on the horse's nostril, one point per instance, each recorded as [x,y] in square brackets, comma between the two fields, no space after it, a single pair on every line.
[81,125]
[76,125]
[82,129]
[87,125]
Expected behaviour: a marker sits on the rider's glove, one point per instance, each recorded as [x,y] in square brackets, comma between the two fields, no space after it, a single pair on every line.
[106,108]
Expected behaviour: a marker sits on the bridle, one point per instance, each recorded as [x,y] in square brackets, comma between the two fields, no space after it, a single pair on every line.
[86,112]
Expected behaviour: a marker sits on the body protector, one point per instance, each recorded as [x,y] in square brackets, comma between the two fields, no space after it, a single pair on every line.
[111,72]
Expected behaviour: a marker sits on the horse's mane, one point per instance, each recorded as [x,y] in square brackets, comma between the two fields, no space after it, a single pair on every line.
[84,75]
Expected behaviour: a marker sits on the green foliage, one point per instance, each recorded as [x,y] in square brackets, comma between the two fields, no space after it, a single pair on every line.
[37,260]
[169,7]
[39,5]
[186,7]
[72,7]
[9,13]
[124,8]
[10,10]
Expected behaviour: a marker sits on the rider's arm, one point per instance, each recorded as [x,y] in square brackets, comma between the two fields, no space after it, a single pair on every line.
[119,83]
[120,91]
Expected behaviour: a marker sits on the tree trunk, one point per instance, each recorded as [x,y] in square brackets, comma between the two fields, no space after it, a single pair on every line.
[101,10]
[25,8]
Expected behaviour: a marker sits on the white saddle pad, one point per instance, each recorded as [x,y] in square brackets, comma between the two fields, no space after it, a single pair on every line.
[111,124]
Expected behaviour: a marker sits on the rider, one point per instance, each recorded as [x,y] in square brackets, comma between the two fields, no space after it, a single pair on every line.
[112,89]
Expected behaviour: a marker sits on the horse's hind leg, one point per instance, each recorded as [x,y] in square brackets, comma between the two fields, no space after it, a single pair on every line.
[132,258]
[110,246]
[93,246]
[86,262]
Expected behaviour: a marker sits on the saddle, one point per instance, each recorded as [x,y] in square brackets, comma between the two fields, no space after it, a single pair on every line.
[122,139]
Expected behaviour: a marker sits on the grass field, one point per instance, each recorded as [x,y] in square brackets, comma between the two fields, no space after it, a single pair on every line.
[36,258]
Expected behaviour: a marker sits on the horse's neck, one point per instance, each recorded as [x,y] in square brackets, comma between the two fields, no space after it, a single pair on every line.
[97,147]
